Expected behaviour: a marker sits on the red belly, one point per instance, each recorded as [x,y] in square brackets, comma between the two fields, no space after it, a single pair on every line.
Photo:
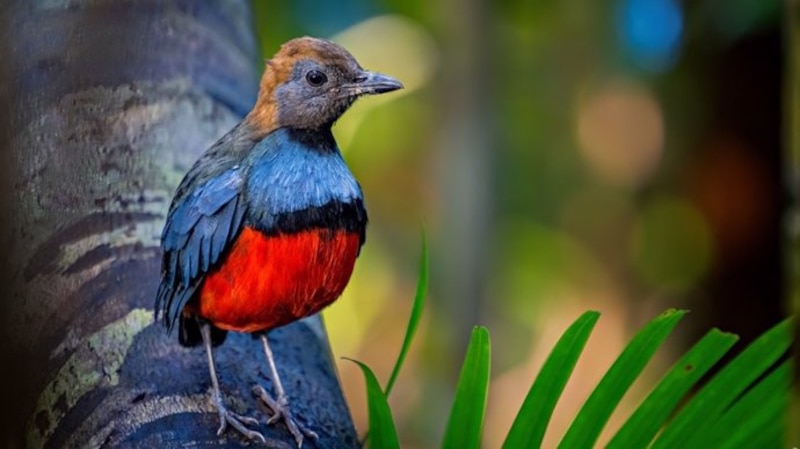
[269,281]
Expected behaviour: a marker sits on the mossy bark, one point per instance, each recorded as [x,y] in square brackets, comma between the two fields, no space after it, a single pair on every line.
[109,103]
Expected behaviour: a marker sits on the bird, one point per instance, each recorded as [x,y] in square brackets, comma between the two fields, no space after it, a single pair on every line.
[266,226]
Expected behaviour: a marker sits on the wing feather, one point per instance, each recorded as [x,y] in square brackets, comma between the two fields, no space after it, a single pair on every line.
[198,230]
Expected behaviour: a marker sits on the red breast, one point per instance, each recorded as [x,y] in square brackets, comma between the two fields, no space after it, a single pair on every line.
[267,281]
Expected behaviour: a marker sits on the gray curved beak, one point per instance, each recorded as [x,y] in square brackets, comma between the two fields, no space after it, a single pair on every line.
[372,83]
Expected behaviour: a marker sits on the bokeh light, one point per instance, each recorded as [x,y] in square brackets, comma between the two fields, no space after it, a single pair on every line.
[651,32]
[620,130]
[671,245]
[548,265]
[390,44]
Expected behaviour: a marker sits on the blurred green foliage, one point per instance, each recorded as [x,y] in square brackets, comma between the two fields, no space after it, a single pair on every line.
[626,167]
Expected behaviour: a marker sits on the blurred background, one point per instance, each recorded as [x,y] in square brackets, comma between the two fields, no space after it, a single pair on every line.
[616,155]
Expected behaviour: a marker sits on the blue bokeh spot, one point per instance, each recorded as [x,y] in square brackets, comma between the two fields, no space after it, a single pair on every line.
[651,32]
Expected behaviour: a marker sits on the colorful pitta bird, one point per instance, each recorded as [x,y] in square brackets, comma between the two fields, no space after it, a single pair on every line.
[266,227]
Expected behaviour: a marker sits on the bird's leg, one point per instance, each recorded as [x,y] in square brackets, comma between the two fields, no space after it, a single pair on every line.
[226,416]
[280,406]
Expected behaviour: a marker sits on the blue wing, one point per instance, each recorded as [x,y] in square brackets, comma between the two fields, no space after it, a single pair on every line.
[199,228]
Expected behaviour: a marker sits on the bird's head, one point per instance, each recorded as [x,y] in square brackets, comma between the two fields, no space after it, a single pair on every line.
[310,83]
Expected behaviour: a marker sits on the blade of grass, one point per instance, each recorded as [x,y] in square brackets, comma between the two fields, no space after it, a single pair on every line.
[771,436]
[760,408]
[382,433]
[726,386]
[594,414]
[534,415]
[465,425]
[654,411]
[769,420]
[416,313]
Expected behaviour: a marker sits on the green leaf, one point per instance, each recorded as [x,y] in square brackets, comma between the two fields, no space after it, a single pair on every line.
[465,424]
[710,403]
[760,411]
[416,313]
[654,411]
[382,433]
[594,414]
[534,415]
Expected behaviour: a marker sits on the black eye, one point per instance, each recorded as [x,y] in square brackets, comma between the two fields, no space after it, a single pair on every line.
[316,78]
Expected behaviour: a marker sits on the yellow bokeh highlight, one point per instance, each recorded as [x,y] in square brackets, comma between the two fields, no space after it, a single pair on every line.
[390,44]
[372,284]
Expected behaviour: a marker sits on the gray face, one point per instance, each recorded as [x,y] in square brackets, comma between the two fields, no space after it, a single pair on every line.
[317,94]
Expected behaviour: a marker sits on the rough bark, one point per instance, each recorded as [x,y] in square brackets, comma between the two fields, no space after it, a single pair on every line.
[110,103]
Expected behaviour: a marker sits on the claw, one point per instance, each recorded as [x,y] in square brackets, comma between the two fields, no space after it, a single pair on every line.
[237,421]
[280,410]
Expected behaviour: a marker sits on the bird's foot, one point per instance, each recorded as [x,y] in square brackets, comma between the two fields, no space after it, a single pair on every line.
[280,410]
[238,422]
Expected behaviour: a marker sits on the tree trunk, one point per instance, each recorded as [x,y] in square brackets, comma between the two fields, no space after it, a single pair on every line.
[464,167]
[110,103]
